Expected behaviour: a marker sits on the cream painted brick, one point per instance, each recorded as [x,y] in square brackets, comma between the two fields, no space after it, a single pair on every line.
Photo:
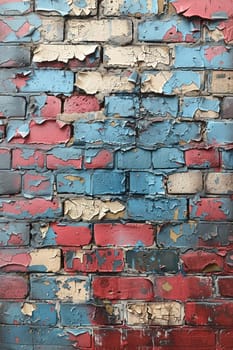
[219,183]
[117,7]
[49,258]
[222,82]
[160,313]
[114,30]
[190,182]
[142,56]
[52,29]
[72,289]
[92,82]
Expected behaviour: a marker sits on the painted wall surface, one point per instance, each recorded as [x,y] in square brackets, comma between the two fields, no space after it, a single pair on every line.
[116,175]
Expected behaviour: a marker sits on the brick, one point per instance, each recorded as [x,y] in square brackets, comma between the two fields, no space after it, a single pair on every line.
[10,182]
[67,8]
[52,29]
[189,182]
[74,182]
[121,106]
[12,335]
[149,56]
[122,288]
[129,7]
[202,261]
[23,29]
[106,337]
[171,83]
[155,134]
[160,106]
[13,287]
[228,266]
[208,57]
[92,82]
[112,132]
[202,158]
[153,261]
[225,339]
[159,313]
[44,107]
[98,260]
[60,157]
[28,313]
[227,105]
[215,234]
[5,159]
[12,106]
[116,31]
[219,133]
[27,158]
[37,184]
[15,7]
[162,209]
[81,104]
[73,289]
[211,209]
[199,108]
[14,234]
[221,82]
[225,286]
[178,235]
[142,182]
[183,288]
[163,158]
[135,158]
[98,158]
[57,339]
[211,314]
[129,234]
[170,29]
[26,209]
[14,56]
[219,183]
[61,233]
[108,182]
[227,159]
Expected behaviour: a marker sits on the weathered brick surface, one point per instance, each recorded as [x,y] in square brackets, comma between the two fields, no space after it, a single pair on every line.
[116,175]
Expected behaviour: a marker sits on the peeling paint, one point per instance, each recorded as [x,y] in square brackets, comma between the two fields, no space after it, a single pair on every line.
[28,309]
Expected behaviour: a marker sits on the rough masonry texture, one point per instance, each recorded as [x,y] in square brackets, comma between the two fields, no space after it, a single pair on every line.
[116,174]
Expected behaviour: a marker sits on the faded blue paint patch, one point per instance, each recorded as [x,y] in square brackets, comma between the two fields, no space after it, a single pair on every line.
[80,3]
[167,158]
[17,128]
[160,209]
[209,57]
[36,104]
[15,7]
[14,234]
[219,132]
[74,182]
[191,105]
[173,29]
[12,106]
[38,184]
[77,315]
[168,133]
[214,234]
[181,236]
[146,183]
[138,7]
[10,334]
[50,336]
[123,106]
[113,132]
[42,314]
[60,6]
[160,106]
[227,159]
[108,182]
[16,23]
[136,158]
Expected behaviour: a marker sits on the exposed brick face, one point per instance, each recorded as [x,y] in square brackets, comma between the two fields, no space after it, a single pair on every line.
[116,174]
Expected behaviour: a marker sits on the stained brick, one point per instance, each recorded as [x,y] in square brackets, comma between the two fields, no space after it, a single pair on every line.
[13,287]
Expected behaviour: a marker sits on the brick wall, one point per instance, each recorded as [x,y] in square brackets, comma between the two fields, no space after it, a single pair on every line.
[116,175]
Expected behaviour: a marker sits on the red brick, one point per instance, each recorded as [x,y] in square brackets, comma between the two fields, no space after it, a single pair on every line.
[14,260]
[122,288]
[101,159]
[107,339]
[225,286]
[72,235]
[226,339]
[81,104]
[209,314]
[202,158]
[228,263]
[211,209]
[183,287]
[82,340]
[27,159]
[51,108]
[129,234]
[102,260]
[13,287]
[37,184]
[201,261]
[54,162]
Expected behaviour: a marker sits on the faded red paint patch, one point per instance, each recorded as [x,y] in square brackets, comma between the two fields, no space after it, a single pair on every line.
[202,261]
[51,108]
[21,159]
[13,287]
[15,240]
[173,35]
[227,28]
[101,160]
[55,163]
[209,209]
[4,30]
[81,104]
[83,340]
[23,30]
[20,80]
[212,52]
[202,157]
[12,261]
[72,235]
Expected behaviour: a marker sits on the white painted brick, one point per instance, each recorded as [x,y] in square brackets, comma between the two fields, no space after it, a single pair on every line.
[219,183]
[138,8]
[52,29]
[49,258]
[190,182]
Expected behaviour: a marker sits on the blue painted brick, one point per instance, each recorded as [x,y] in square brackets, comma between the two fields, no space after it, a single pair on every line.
[178,236]
[227,159]
[167,158]
[42,314]
[167,133]
[14,234]
[146,183]
[209,57]
[160,106]
[12,106]
[14,7]
[60,6]
[14,56]
[5,158]
[136,158]
[161,209]
[123,106]
[139,7]
[56,337]
[214,234]
[113,132]
[108,182]
[219,132]
[20,335]
[74,182]
[191,105]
